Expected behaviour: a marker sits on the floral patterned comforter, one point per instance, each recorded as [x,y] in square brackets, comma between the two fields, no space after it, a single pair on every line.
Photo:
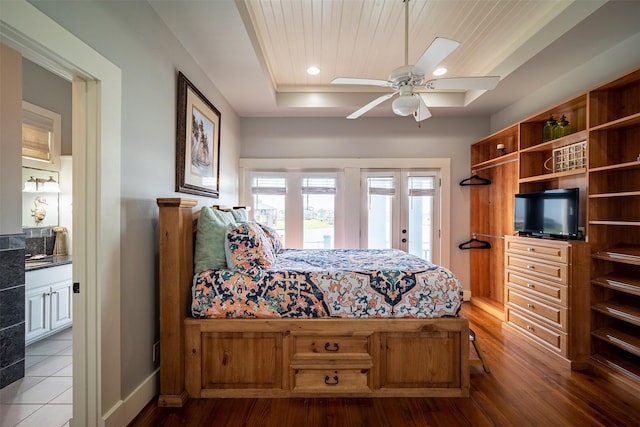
[330,283]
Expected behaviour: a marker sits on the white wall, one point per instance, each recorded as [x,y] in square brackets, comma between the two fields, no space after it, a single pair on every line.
[606,64]
[49,91]
[131,36]
[377,138]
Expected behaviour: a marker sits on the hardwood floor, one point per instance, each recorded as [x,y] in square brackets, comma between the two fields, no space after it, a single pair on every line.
[524,388]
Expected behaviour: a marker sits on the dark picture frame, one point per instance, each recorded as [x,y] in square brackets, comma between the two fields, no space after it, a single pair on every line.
[197,142]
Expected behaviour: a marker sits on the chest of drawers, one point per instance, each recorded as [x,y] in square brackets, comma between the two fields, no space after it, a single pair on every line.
[547,295]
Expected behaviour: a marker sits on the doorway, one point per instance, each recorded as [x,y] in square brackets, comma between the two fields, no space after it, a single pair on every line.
[96,87]
[401,210]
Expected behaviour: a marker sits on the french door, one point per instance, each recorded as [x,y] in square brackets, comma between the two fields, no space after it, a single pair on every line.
[401,210]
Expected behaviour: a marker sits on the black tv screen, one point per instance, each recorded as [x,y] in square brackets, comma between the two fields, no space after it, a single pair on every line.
[551,213]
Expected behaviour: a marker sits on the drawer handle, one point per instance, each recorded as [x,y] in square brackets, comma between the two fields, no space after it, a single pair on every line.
[331,347]
[331,381]
[531,250]
[530,286]
[529,327]
[531,306]
[530,267]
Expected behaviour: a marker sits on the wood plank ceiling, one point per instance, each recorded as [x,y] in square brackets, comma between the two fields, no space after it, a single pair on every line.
[365,38]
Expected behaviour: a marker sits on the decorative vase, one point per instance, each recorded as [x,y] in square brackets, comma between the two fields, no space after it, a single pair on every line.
[547,131]
[60,246]
[562,128]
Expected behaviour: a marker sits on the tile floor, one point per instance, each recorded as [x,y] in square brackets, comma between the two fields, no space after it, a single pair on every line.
[43,398]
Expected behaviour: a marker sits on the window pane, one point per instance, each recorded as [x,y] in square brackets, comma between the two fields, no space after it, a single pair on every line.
[269,194]
[379,222]
[318,207]
[380,198]
[421,190]
[318,221]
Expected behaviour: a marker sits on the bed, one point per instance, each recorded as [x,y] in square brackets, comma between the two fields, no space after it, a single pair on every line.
[300,323]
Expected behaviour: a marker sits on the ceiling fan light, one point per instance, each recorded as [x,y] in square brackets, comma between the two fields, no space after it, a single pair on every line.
[405,105]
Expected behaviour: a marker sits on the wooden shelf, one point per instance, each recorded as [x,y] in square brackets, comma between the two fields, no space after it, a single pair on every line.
[632,120]
[625,254]
[621,194]
[618,364]
[485,152]
[620,311]
[620,339]
[557,143]
[554,175]
[617,167]
[510,157]
[619,282]
[618,223]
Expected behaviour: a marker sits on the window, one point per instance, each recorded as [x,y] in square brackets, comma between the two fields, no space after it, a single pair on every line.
[269,193]
[421,215]
[399,203]
[41,137]
[318,198]
[380,194]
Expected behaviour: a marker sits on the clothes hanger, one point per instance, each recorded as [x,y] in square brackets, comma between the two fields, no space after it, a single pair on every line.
[474,244]
[479,180]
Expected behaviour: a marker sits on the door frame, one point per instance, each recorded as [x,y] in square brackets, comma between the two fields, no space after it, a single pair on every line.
[400,207]
[96,142]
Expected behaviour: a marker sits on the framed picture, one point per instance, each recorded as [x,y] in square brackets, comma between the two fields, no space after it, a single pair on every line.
[198,142]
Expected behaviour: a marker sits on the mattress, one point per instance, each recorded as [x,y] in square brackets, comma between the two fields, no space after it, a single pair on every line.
[340,283]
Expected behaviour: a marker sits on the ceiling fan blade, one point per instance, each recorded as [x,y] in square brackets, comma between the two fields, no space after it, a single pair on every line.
[369,106]
[357,81]
[466,83]
[439,49]
[423,112]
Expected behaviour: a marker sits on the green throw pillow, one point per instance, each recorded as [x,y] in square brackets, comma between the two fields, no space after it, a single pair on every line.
[240,214]
[210,239]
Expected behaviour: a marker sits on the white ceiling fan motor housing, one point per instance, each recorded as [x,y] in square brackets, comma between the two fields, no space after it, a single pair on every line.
[404,76]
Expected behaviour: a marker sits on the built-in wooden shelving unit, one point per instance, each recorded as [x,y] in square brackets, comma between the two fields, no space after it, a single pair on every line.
[606,120]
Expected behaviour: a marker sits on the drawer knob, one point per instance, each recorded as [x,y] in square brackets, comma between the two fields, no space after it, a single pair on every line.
[331,347]
[529,327]
[530,306]
[331,381]
[530,267]
[530,286]
[530,249]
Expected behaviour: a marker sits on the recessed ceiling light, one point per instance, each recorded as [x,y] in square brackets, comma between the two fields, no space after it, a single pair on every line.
[440,71]
[313,70]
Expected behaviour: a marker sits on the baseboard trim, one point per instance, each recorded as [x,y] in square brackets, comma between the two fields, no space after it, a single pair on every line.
[123,412]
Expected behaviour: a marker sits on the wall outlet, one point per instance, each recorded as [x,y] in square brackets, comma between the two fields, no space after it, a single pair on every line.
[156,352]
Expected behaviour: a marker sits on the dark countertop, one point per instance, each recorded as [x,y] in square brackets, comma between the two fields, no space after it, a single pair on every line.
[47,262]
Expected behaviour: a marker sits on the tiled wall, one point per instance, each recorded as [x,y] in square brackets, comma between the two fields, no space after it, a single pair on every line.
[12,309]
[39,241]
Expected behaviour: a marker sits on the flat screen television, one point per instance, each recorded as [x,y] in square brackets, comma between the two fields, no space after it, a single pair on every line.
[551,213]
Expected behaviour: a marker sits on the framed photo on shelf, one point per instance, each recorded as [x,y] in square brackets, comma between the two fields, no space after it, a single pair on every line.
[198,142]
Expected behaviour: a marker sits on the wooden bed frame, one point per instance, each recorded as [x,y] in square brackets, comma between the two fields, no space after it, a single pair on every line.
[293,357]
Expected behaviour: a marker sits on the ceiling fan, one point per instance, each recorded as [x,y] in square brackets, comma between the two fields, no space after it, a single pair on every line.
[403,80]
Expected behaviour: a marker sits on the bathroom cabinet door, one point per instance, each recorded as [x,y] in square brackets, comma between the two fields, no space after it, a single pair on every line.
[37,313]
[61,305]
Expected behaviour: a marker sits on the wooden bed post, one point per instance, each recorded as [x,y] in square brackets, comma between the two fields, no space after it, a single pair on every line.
[176,273]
